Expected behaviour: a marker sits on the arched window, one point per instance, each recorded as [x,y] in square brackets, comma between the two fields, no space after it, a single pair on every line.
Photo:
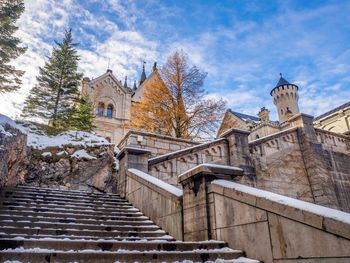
[257,136]
[100,109]
[109,113]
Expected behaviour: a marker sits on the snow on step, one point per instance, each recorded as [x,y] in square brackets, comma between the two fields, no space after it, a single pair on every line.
[39,225]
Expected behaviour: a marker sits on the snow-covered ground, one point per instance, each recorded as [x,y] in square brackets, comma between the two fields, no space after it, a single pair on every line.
[38,139]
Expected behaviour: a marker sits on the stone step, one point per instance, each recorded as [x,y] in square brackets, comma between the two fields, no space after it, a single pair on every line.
[63,191]
[91,256]
[50,214]
[108,245]
[60,202]
[96,208]
[79,232]
[72,215]
[72,211]
[7,193]
[104,227]
[68,220]
[21,236]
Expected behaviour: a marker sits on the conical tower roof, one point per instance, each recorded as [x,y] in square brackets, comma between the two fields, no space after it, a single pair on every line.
[281,82]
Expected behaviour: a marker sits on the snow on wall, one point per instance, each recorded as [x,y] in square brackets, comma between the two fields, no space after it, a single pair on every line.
[302,205]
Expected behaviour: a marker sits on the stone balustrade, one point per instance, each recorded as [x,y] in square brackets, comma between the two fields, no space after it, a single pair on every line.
[274,143]
[267,226]
[155,143]
[167,167]
[161,202]
[334,141]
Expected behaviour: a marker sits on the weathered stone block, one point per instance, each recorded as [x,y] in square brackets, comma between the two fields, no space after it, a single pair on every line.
[291,239]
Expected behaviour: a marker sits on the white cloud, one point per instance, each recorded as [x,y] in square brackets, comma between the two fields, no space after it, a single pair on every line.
[45,20]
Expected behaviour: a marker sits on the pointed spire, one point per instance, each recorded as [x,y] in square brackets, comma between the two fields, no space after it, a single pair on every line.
[126,82]
[282,81]
[134,88]
[143,74]
[154,66]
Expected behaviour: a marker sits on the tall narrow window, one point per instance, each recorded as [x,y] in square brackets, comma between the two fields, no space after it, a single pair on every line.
[109,111]
[100,109]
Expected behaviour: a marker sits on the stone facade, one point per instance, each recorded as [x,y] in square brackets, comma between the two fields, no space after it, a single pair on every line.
[337,120]
[112,102]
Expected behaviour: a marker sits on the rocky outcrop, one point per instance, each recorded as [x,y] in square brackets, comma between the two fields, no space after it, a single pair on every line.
[71,167]
[13,156]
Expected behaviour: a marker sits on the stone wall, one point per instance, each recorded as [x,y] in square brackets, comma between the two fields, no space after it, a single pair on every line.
[267,226]
[64,167]
[304,163]
[13,156]
[169,166]
[155,143]
[279,166]
[274,229]
[162,206]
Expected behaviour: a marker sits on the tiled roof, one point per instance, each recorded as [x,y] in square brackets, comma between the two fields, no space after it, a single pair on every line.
[244,117]
[345,105]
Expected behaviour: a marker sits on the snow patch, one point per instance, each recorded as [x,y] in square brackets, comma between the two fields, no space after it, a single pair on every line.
[46,154]
[167,187]
[83,154]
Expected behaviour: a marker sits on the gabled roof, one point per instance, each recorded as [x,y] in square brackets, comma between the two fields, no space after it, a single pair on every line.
[109,73]
[343,106]
[245,117]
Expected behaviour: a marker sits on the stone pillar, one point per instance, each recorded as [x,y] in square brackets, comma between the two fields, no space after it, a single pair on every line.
[238,149]
[130,158]
[317,162]
[197,204]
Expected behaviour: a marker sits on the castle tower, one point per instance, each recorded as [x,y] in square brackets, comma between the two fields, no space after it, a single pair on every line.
[285,97]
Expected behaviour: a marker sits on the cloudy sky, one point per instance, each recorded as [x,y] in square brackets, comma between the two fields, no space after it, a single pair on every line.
[243,45]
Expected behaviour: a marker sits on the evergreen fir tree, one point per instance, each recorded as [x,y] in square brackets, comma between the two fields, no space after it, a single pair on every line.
[10,46]
[56,92]
[82,116]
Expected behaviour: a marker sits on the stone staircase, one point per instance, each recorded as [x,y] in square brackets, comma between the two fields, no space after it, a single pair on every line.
[47,225]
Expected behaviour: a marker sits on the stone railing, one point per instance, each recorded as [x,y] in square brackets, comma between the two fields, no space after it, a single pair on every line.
[161,202]
[155,143]
[269,227]
[335,141]
[167,167]
[273,143]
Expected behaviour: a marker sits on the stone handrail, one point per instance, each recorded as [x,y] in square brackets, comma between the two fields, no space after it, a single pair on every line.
[189,150]
[160,201]
[272,227]
[272,136]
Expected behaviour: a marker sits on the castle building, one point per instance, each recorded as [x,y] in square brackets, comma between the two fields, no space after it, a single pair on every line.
[113,101]
[285,97]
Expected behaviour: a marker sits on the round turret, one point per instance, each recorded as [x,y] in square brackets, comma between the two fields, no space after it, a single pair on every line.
[285,97]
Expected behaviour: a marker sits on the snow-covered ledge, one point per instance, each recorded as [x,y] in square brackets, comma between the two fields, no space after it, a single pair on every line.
[275,228]
[158,200]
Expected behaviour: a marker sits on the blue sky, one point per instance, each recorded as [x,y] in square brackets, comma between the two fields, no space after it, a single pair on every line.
[243,45]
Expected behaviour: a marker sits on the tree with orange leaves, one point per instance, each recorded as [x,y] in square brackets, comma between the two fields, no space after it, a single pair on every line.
[175,103]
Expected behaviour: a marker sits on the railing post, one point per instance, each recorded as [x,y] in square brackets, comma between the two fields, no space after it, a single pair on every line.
[198,223]
[130,158]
